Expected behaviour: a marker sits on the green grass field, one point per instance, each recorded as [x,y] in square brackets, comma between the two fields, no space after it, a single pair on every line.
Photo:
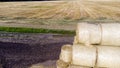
[33,30]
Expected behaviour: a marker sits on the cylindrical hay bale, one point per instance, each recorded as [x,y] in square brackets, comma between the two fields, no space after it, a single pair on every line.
[77,66]
[84,55]
[104,34]
[88,33]
[66,53]
[108,57]
[111,34]
[61,64]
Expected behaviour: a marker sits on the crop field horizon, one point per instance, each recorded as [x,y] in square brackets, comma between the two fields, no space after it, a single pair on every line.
[60,14]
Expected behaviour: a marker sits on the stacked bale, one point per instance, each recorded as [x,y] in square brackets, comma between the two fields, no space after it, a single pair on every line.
[95,46]
[101,34]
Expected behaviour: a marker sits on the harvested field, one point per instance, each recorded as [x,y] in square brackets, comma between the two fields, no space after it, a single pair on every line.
[60,14]
[61,9]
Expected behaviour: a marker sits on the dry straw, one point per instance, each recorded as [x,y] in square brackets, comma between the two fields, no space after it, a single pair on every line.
[62,64]
[88,33]
[108,57]
[100,56]
[66,53]
[111,34]
[77,66]
[102,34]
[84,56]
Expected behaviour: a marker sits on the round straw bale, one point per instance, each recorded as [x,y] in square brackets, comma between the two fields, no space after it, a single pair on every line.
[103,34]
[84,55]
[111,34]
[66,53]
[88,33]
[108,57]
[82,33]
[61,64]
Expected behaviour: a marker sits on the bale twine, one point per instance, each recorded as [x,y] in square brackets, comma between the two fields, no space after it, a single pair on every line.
[83,55]
[88,33]
[77,66]
[108,57]
[66,53]
[62,64]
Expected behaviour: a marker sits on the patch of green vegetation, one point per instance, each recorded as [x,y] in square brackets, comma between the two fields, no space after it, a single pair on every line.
[34,30]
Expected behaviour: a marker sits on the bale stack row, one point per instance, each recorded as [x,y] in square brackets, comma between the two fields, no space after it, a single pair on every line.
[95,46]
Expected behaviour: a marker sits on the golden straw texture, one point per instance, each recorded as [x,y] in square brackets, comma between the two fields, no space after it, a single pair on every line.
[108,57]
[66,53]
[77,66]
[88,33]
[102,33]
[84,55]
[61,64]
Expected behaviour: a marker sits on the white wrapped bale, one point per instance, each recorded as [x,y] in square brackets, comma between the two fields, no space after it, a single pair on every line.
[62,64]
[83,55]
[66,53]
[103,34]
[100,56]
[77,66]
[110,34]
[108,57]
[88,33]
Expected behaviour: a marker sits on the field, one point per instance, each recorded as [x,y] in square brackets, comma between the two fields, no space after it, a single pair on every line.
[60,14]
[32,33]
